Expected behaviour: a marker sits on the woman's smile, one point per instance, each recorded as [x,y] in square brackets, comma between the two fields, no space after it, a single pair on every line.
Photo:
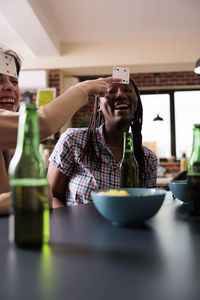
[121,106]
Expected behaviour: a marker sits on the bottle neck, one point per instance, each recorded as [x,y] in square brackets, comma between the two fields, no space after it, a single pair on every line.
[194,161]
[128,143]
[196,140]
[28,138]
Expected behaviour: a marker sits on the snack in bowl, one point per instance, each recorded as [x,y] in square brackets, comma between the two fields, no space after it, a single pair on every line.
[119,193]
[134,207]
[113,192]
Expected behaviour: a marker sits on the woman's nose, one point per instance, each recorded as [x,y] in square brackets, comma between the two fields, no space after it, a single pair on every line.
[120,94]
[8,85]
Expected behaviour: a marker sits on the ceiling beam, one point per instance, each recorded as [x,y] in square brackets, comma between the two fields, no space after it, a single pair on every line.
[28,20]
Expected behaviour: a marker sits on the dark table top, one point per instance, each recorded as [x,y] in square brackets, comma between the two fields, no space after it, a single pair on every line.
[88,258]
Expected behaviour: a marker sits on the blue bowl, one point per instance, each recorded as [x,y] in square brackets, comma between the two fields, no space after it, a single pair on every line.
[179,189]
[141,205]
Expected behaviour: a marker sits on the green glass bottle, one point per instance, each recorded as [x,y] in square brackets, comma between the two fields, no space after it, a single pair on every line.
[29,223]
[193,173]
[129,170]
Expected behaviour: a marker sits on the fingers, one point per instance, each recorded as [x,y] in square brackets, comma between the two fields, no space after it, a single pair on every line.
[112,80]
[106,82]
[99,86]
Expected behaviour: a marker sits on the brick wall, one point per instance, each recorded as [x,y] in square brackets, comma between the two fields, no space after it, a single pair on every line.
[81,118]
[169,79]
[54,80]
[143,81]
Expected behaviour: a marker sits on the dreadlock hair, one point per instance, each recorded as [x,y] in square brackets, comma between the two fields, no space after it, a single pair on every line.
[97,119]
[17,59]
[136,127]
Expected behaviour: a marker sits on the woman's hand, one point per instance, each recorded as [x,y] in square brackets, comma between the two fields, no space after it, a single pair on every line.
[98,86]
[5,202]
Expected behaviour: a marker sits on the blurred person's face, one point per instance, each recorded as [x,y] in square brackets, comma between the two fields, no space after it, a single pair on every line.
[119,103]
[9,92]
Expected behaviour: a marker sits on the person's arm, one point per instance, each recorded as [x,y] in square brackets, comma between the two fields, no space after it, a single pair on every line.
[151,165]
[67,104]
[57,182]
[53,116]
[8,128]
[154,168]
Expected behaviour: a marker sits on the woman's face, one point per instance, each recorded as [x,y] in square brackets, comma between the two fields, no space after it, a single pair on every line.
[119,104]
[9,92]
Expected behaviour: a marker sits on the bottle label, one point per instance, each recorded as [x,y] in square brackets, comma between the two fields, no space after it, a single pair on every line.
[129,146]
[28,181]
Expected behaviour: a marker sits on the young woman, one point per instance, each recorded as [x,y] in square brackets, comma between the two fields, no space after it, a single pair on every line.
[89,158]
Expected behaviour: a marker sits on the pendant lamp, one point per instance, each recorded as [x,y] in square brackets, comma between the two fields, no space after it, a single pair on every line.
[158,118]
[197,67]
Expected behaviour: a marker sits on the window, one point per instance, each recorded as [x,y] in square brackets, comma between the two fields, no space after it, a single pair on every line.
[187,113]
[158,131]
[180,109]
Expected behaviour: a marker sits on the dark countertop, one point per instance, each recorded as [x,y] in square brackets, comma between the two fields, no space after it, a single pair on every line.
[88,258]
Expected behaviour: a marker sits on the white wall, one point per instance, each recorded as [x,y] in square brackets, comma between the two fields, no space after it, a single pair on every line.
[140,56]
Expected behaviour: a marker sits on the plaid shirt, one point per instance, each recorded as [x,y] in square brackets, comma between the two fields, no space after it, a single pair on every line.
[81,179]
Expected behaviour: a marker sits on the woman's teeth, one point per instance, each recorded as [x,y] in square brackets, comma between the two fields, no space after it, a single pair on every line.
[7,100]
[121,106]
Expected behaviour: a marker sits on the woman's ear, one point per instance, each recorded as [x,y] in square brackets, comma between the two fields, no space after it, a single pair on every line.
[98,107]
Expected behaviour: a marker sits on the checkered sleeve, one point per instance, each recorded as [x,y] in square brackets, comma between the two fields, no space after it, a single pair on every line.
[153,168]
[62,156]
[151,163]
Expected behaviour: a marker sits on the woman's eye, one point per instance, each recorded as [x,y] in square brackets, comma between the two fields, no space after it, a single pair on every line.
[112,91]
[15,82]
[128,90]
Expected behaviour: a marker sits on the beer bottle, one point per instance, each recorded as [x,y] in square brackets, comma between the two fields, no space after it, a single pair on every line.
[29,223]
[193,173]
[129,170]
